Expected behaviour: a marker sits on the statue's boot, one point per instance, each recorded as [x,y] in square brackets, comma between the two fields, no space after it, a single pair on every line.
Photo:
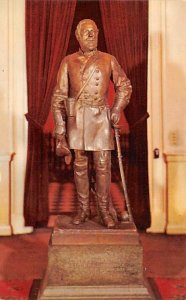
[102,162]
[106,218]
[82,187]
[123,216]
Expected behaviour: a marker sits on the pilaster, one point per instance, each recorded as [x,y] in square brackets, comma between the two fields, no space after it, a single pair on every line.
[176,193]
[5,224]
[157,179]
[13,106]
[18,100]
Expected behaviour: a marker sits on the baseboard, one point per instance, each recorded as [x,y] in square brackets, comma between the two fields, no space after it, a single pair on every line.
[5,230]
[176,229]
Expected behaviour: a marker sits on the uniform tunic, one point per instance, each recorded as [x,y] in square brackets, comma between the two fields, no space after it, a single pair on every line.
[90,129]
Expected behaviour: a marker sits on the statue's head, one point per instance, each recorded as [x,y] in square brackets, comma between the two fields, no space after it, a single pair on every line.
[87,35]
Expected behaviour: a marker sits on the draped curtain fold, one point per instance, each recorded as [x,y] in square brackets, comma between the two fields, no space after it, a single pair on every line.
[48,27]
[125,25]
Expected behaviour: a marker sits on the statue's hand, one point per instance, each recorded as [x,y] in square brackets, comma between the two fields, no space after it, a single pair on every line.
[115,116]
[62,148]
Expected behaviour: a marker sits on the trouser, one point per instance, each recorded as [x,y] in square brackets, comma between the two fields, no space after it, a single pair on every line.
[102,165]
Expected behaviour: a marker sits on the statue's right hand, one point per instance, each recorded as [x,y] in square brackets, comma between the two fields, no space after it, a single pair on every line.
[62,148]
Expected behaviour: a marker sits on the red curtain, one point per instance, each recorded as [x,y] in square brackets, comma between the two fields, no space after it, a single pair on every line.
[48,27]
[125,25]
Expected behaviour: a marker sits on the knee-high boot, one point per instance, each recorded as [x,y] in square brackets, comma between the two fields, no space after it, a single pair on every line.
[102,162]
[82,186]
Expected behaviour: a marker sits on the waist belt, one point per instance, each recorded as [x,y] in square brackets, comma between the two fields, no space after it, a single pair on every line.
[93,102]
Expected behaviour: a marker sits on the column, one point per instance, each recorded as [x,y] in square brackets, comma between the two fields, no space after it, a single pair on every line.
[18,98]
[5,134]
[176,193]
[13,105]
[157,179]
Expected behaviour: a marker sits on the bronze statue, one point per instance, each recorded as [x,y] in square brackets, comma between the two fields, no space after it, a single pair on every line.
[80,100]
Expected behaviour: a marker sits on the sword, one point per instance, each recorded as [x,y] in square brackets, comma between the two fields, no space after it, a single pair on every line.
[117,136]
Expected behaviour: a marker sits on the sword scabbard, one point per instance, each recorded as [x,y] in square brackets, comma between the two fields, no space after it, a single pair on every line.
[117,136]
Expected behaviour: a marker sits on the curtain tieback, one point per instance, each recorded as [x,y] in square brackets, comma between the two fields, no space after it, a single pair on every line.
[33,122]
[140,120]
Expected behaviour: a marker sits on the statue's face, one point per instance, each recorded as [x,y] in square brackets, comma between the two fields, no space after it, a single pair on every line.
[88,37]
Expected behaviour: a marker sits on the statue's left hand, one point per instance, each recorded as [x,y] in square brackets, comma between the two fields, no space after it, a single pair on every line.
[115,116]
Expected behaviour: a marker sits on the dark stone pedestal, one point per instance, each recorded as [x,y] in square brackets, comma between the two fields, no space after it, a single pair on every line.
[91,262]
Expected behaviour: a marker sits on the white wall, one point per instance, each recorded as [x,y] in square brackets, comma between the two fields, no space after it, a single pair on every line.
[13,105]
[175,78]
[167,107]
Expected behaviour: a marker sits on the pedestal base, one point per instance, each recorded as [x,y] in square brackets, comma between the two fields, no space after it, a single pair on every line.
[96,292]
[90,262]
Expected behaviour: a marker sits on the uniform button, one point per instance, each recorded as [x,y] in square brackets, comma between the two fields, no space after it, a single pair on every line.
[96,92]
[97,83]
[97,78]
[97,70]
[95,98]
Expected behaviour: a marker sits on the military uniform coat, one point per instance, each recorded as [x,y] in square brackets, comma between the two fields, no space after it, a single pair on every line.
[90,128]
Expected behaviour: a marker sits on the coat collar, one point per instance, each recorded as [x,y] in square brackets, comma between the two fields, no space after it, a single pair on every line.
[87,54]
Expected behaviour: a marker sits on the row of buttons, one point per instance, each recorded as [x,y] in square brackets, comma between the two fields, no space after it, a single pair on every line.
[86,95]
[96,92]
[85,78]
[82,71]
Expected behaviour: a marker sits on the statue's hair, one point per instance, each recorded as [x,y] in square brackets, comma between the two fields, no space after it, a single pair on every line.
[78,28]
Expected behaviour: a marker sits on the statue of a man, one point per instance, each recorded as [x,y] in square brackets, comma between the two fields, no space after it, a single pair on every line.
[81,94]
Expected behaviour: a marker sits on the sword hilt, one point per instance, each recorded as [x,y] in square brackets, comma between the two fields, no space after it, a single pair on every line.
[117,126]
